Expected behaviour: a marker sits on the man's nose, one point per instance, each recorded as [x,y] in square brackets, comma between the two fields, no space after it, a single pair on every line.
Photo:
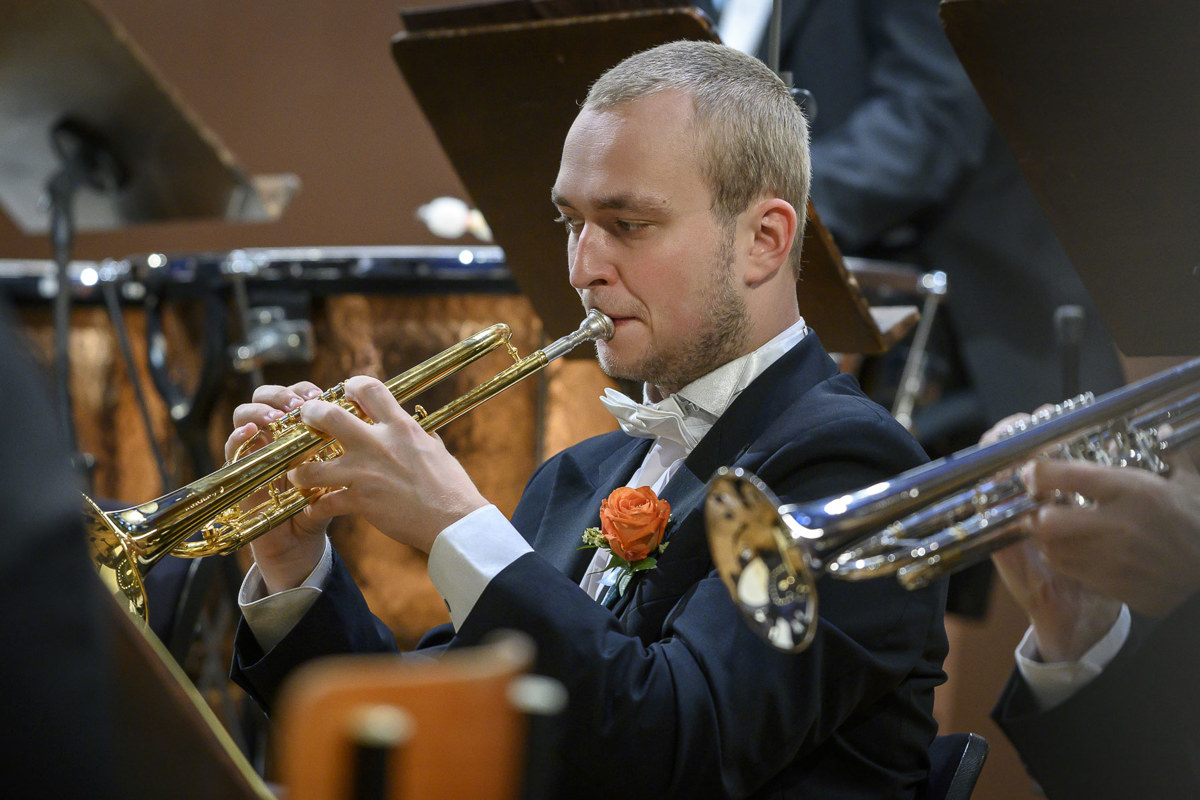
[590,265]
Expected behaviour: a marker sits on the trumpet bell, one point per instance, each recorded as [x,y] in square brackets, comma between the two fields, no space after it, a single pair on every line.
[760,556]
[111,554]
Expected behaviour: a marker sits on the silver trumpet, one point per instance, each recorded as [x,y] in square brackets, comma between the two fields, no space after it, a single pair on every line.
[932,520]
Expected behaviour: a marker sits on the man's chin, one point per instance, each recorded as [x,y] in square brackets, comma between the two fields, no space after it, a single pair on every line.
[615,367]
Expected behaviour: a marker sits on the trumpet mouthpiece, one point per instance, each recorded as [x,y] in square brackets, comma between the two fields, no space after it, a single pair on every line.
[598,326]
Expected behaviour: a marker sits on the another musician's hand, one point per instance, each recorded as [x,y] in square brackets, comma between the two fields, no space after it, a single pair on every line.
[1067,617]
[290,552]
[1137,539]
[395,475]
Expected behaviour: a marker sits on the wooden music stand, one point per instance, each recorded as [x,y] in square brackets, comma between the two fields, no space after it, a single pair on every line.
[501,96]
[1098,103]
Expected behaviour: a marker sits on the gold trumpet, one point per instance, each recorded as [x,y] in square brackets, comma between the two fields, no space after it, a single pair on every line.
[127,543]
[933,520]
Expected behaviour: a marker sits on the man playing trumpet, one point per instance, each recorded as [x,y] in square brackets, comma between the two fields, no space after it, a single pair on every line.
[681,189]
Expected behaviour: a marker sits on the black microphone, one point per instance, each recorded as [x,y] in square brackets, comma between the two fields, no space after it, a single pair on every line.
[1069,322]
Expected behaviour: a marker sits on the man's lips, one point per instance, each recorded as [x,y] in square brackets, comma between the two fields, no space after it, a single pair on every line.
[620,323]
[615,317]
[619,319]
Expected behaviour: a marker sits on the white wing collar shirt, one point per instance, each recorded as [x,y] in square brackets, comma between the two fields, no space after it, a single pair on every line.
[469,553]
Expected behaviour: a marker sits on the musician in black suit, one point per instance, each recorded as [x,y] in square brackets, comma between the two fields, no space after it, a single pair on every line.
[678,189]
[1104,701]
[908,166]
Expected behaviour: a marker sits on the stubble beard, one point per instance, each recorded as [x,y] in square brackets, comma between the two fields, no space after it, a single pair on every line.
[720,340]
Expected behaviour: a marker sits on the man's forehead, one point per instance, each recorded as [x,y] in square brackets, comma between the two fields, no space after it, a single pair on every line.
[633,156]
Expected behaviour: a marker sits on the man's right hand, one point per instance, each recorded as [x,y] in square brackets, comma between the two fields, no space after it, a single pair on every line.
[289,553]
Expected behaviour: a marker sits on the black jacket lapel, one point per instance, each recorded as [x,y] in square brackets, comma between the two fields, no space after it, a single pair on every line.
[731,442]
[575,503]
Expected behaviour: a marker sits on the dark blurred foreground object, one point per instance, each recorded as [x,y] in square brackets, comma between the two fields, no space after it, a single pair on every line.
[171,743]
[59,709]
[95,707]
[1077,90]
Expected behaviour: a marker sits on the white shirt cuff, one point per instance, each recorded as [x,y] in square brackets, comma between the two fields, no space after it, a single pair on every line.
[1052,683]
[272,617]
[468,554]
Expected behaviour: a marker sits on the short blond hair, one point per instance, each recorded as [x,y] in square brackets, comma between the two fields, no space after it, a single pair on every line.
[753,135]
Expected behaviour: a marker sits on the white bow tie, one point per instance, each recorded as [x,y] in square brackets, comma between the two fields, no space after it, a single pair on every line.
[648,421]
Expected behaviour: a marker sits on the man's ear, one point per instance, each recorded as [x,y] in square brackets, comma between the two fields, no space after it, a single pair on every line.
[772,223]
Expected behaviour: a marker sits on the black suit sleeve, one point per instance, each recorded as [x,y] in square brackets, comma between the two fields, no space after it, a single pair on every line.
[338,622]
[1134,731]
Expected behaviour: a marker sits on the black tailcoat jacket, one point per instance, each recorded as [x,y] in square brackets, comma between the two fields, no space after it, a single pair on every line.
[671,693]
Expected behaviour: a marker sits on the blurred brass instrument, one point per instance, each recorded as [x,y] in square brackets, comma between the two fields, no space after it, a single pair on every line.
[932,520]
[127,543]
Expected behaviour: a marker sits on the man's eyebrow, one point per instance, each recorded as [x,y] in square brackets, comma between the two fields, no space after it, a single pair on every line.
[618,202]
[632,202]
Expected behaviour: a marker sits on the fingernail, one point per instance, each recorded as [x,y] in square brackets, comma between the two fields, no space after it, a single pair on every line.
[1026,475]
[293,403]
[275,414]
[312,393]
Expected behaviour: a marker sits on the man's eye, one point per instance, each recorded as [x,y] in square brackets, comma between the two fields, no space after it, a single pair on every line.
[570,224]
[630,227]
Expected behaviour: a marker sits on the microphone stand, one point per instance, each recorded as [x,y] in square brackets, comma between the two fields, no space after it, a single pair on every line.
[85,161]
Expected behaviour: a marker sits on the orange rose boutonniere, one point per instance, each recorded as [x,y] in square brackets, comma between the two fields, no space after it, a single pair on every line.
[632,523]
